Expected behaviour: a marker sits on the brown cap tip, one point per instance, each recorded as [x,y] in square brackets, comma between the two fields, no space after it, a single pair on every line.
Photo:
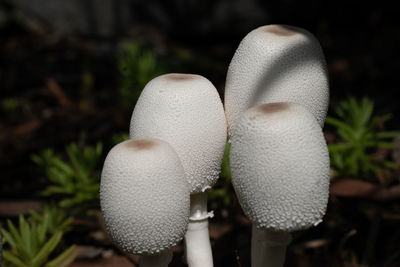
[280,30]
[141,144]
[177,77]
[272,107]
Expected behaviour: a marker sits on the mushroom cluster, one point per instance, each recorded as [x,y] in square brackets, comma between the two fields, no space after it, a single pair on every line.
[185,112]
[276,99]
[154,186]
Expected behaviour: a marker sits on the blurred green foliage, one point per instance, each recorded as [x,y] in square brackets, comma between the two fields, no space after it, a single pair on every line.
[119,138]
[37,239]
[75,181]
[223,190]
[9,105]
[137,67]
[361,136]
[53,217]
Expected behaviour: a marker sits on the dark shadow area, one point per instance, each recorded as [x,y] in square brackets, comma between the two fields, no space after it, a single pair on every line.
[71,72]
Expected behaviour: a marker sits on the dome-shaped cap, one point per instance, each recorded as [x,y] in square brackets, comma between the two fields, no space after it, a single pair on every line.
[186,111]
[277,63]
[280,166]
[144,196]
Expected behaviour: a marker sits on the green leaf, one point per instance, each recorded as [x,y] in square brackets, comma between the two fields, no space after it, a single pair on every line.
[338,147]
[36,216]
[389,165]
[26,235]
[14,232]
[72,180]
[29,244]
[43,230]
[13,259]
[8,238]
[64,259]
[338,123]
[73,152]
[45,251]
[383,135]
[387,145]
[66,223]
[360,137]
[62,166]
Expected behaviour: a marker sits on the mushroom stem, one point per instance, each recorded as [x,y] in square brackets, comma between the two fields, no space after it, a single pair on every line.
[268,247]
[197,241]
[156,260]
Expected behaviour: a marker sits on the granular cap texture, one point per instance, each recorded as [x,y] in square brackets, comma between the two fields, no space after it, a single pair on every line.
[280,166]
[144,196]
[277,63]
[186,111]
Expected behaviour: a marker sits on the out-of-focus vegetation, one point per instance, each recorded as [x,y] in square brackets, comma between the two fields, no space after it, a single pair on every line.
[37,240]
[74,182]
[137,67]
[361,135]
[8,105]
[54,218]
[223,189]
[119,137]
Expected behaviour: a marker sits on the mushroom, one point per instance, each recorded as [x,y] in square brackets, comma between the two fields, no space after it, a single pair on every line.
[280,172]
[144,199]
[277,63]
[186,111]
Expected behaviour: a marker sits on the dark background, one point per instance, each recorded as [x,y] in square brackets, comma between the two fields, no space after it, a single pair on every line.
[67,42]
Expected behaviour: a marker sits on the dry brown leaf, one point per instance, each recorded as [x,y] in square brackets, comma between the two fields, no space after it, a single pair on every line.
[57,91]
[15,208]
[362,189]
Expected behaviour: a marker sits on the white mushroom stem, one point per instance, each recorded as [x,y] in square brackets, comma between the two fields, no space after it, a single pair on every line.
[197,241]
[156,260]
[268,248]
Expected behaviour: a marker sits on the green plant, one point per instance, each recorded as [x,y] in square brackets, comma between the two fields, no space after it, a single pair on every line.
[119,137]
[223,189]
[75,181]
[34,242]
[53,217]
[9,105]
[137,66]
[361,136]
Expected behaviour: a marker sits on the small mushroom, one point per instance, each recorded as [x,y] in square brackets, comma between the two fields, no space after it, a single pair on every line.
[280,172]
[186,111]
[144,199]
[277,63]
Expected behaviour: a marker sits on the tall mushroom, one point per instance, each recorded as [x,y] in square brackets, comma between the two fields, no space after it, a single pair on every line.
[280,172]
[186,111]
[144,199]
[277,63]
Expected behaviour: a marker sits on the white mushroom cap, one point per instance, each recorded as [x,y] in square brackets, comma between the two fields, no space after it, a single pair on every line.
[186,111]
[144,196]
[277,63]
[280,167]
